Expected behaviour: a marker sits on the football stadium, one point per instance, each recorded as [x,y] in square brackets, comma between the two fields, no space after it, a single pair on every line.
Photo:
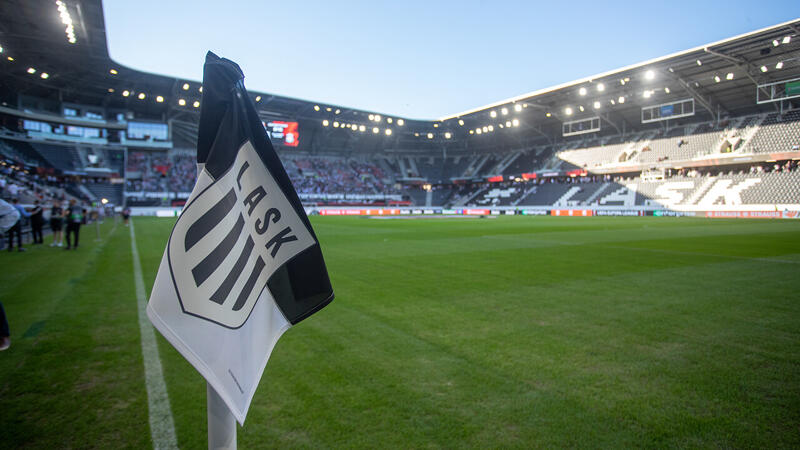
[613,261]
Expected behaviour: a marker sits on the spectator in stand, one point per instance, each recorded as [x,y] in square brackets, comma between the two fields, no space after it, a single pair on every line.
[57,224]
[17,227]
[74,217]
[37,222]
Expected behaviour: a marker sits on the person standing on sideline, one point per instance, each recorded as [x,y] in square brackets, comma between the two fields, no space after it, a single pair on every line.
[37,222]
[8,217]
[74,216]
[17,227]
[57,224]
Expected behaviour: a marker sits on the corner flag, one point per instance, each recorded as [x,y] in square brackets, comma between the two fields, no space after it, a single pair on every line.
[242,264]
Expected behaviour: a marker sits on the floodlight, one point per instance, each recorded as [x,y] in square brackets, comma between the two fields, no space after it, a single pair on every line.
[779,65]
[517,107]
[646,94]
[375,130]
[504,111]
[596,105]
[372,117]
[787,39]
[478,130]
[182,102]
[548,115]
[196,104]
[621,99]
[362,128]
[388,120]
[31,70]
[515,122]
[461,122]
[493,114]
[764,68]
[613,102]
[508,123]
[10,59]
[717,78]
[666,90]
[159,99]
[729,76]
[325,123]
[485,129]
[582,91]
[430,135]
[377,117]
[126,93]
[110,90]
[335,124]
[601,87]
[258,98]
[337,111]
[185,86]
[316,107]
[113,71]
[45,75]
[699,63]
[141,96]
[1,49]
[471,131]
[200,89]
[581,108]
[401,122]
[388,131]
[447,135]
[491,127]
[775,43]
[649,75]
[568,111]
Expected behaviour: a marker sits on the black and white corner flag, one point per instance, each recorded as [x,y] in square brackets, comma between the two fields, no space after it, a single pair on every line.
[242,264]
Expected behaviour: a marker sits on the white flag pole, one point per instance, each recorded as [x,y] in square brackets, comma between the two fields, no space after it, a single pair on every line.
[221,423]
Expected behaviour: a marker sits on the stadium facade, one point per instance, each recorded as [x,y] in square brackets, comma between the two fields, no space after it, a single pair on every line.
[711,130]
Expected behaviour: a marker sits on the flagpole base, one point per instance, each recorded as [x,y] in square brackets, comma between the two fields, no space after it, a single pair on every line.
[221,423]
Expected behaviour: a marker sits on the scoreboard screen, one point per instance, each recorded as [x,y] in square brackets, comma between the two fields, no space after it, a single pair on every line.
[283,133]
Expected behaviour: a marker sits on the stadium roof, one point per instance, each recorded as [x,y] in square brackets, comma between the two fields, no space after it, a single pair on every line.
[721,77]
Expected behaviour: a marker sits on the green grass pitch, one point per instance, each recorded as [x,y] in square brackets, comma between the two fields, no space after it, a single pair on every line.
[508,332]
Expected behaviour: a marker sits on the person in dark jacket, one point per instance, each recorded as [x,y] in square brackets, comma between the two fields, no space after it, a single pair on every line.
[17,228]
[37,222]
[74,216]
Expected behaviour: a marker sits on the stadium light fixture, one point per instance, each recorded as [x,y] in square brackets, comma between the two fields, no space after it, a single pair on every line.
[508,123]
[388,131]
[649,75]
[258,98]
[478,130]
[377,117]
[159,99]
[316,107]
[485,129]
[500,125]
[182,102]
[110,90]
[601,87]
[515,122]
[362,128]
[401,122]
[1,49]
[764,68]
[66,19]
[372,117]
[126,93]
[196,104]
[200,89]
[113,71]
[581,108]
[337,111]
[335,124]
[329,109]
[548,115]
[436,125]
[375,130]
[142,95]
[31,70]
[787,39]
[666,90]
[568,111]
[779,65]
[596,105]
[389,120]
[45,75]
[325,123]
[775,43]
[621,99]
[517,107]
[471,131]
[717,78]
[647,94]
[185,86]
[461,122]
[504,111]
[699,63]
[493,114]
[582,91]
[612,102]
[447,135]
[10,59]
[729,76]
[622,82]
[430,135]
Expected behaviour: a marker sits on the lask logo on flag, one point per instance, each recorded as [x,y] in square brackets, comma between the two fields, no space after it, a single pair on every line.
[230,239]
[242,264]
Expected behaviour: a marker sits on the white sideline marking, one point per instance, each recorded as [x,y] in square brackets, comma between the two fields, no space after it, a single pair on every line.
[162,428]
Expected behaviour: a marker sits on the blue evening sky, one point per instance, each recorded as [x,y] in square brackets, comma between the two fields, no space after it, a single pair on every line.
[419,59]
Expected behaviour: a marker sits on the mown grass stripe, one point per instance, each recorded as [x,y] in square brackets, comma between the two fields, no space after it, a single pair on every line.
[162,428]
